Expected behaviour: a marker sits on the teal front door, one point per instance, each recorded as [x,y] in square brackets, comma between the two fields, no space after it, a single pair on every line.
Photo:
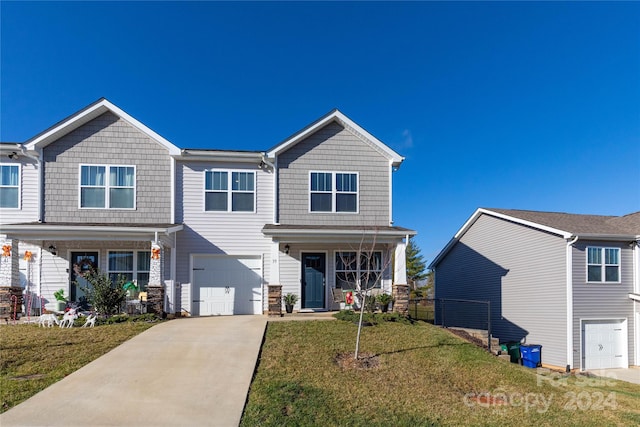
[313,270]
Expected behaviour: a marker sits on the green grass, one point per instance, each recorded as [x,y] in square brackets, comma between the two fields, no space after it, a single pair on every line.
[33,358]
[426,377]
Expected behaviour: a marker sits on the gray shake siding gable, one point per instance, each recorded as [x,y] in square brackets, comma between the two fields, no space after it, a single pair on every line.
[522,272]
[333,149]
[107,140]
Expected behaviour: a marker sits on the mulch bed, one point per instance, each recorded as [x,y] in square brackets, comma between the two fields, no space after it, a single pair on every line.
[364,362]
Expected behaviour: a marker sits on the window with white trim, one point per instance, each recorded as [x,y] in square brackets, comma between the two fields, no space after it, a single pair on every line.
[132,265]
[333,192]
[229,191]
[603,265]
[9,186]
[115,191]
[367,268]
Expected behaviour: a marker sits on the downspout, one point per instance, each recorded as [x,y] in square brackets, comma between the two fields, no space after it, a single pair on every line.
[173,191]
[391,193]
[569,267]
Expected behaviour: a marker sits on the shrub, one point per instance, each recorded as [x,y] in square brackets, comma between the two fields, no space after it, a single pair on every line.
[105,296]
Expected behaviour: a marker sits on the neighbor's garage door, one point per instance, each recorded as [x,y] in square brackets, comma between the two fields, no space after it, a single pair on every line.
[605,344]
[226,285]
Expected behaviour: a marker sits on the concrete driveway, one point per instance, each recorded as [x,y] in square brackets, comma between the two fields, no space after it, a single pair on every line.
[193,371]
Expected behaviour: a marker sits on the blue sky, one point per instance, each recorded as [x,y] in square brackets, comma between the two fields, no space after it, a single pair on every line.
[514,105]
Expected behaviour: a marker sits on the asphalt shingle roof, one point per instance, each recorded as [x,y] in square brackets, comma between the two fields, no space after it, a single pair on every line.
[579,224]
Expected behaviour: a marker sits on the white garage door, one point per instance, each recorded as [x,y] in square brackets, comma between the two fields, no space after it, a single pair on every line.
[604,344]
[226,285]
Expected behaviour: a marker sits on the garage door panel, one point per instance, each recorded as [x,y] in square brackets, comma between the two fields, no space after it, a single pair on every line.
[228,285]
[604,344]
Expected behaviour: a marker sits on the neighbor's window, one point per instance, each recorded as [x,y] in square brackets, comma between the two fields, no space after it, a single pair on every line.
[133,265]
[333,192]
[229,191]
[10,186]
[367,268]
[603,264]
[115,192]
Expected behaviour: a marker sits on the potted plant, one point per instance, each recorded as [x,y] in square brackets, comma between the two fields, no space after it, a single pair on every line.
[383,301]
[61,301]
[289,301]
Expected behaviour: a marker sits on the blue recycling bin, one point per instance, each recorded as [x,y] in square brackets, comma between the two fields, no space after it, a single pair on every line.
[531,355]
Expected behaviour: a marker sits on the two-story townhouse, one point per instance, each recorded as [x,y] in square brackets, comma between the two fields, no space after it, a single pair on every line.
[569,282]
[203,231]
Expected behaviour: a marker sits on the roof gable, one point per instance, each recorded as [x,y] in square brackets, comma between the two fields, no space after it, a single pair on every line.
[337,117]
[87,114]
[565,225]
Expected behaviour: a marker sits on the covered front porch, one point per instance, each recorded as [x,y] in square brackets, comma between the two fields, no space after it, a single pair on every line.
[317,262]
[39,259]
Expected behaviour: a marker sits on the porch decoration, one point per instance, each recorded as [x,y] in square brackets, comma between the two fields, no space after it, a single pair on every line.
[6,250]
[155,253]
[289,301]
[83,267]
[27,255]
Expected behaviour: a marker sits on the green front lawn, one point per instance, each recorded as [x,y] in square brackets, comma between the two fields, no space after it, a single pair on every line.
[33,358]
[425,376]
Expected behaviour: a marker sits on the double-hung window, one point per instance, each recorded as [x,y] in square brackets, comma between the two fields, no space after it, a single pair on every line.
[132,265]
[229,191]
[10,186]
[333,192]
[113,191]
[603,265]
[365,268]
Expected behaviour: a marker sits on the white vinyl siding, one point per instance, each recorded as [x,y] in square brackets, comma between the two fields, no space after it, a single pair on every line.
[603,265]
[9,186]
[333,192]
[229,191]
[107,187]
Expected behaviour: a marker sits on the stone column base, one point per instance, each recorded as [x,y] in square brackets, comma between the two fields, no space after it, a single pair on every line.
[275,300]
[10,307]
[155,300]
[401,299]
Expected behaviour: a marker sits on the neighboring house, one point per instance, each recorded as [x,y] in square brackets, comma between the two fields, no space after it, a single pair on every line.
[205,231]
[568,282]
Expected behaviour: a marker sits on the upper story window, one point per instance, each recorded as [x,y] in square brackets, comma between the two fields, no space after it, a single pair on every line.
[229,191]
[603,264]
[333,192]
[9,186]
[115,191]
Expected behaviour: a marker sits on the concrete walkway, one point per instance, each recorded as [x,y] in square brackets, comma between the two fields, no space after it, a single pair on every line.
[630,375]
[193,371]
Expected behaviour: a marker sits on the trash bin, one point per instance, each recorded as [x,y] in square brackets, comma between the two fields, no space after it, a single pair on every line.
[513,348]
[531,355]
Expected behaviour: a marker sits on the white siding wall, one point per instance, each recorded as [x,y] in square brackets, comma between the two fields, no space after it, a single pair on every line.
[230,233]
[28,211]
[291,269]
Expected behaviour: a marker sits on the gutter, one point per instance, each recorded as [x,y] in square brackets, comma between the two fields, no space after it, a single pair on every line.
[569,296]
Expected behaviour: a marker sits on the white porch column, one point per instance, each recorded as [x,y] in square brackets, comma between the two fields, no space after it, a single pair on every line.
[274,271]
[9,264]
[400,270]
[155,269]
